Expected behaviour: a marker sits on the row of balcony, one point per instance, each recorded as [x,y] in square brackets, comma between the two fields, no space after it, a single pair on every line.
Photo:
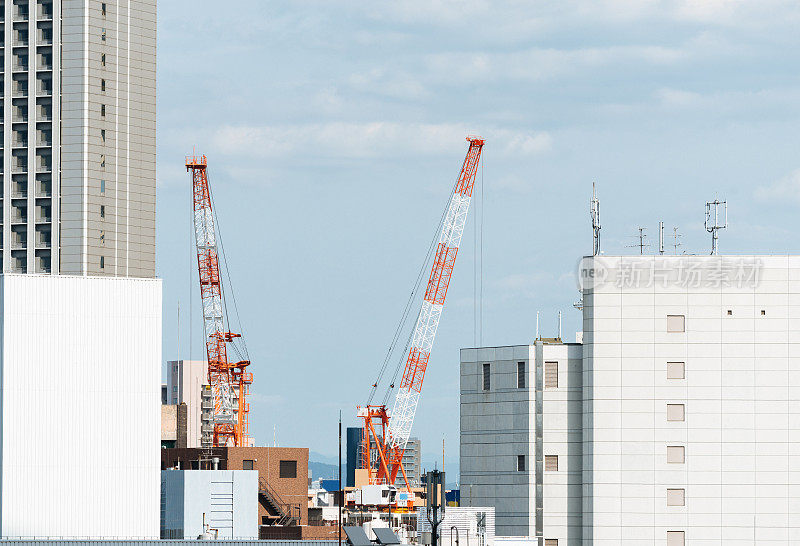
[20,88]
[19,136]
[20,34]
[19,187]
[20,10]
[44,59]
[19,212]
[19,160]
[19,260]
[19,109]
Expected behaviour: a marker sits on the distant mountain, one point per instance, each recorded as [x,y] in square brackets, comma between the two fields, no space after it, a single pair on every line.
[317,470]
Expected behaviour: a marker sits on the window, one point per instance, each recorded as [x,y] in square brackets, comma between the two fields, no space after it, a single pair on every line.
[102,262]
[730,312]
[676,538]
[288,469]
[102,186]
[102,237]
[195,465]
[103,59]
[103,35]
[247,464]
[676,497]
[520,375]
[551,542]
[103,161]
[676,323]
[102,211]
[175,388]
[103,135]
[551,463]
[676,454]
[676,370]
[103,9]
[102,85]
[102,110]
[520,463]
[763,312]
[486,377]
[676,412]
[551,375]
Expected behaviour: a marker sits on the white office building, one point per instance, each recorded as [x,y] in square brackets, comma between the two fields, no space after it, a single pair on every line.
[77,158]
[689,401]
[80,362]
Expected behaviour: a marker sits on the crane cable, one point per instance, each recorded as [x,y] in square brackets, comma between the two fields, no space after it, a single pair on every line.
[407,310]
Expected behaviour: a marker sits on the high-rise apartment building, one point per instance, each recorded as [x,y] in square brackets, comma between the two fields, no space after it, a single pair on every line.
[78,149]
[412,458]
[675,422]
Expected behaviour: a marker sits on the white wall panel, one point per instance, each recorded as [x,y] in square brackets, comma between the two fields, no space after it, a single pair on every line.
[80,361]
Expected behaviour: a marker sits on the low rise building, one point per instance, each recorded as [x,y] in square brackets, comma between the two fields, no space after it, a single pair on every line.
[209,504]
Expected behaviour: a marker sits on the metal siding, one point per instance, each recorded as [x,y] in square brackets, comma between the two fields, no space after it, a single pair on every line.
[81,378]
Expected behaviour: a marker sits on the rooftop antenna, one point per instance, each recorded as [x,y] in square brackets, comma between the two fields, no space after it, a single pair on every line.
[642,245]
[661,237]
[676,236]
[713,225]
[594,210]
[559,325]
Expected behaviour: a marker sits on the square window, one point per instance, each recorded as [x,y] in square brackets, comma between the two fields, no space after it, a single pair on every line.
[676,370]
[676,454]
[102,262]
[520,375]
[288,469]
[520,463]
[102,85]
[551,463]
[102,211]
[175,388]
[676,412]
[487,378]
[102,186]
[763,312]
[676,538]
[247,464]
[676,497]
[730,312]
[676,323]
[551,375]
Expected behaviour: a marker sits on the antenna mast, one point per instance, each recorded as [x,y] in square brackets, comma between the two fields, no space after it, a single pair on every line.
[661,237]
[676,236]
[642,245]
[713,225]
[594,210]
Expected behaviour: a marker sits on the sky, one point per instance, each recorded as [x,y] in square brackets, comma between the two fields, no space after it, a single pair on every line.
[335,130]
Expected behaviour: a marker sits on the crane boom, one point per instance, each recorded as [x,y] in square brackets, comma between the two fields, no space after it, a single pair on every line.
[395,427]
[228,380]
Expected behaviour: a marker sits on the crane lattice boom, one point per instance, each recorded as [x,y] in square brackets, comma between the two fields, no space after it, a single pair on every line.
[225,378]
[396,426]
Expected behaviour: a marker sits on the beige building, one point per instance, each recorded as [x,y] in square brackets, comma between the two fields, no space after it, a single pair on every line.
[78,149]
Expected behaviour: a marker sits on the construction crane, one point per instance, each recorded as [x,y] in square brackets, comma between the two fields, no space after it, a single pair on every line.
[389,432]
[228,380]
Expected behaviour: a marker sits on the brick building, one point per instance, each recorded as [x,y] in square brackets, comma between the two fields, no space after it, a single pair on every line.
[282,473]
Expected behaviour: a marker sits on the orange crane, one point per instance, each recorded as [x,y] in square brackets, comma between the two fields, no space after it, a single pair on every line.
[395,427]
[228,380]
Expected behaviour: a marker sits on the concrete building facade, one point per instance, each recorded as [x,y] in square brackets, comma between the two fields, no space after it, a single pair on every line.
[80,364]
[78,148]
[690,376]
[521,440]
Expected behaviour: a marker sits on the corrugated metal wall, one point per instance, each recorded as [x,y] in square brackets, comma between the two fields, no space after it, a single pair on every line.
[81,371]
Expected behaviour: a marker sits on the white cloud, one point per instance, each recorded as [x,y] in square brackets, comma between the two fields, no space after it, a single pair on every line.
[358,140]
[782,190]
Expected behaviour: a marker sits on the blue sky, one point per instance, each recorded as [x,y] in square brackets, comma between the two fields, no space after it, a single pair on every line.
[334,132]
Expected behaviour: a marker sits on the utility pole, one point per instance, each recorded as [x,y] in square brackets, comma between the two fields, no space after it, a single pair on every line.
[341,493]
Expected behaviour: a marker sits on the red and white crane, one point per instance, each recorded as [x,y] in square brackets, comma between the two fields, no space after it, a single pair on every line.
[228,380]
[395,427]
